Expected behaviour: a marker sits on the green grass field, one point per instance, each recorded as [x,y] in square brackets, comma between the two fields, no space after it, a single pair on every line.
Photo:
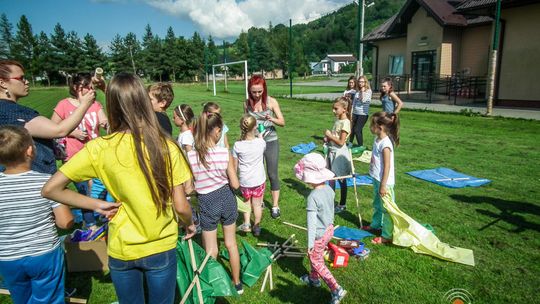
[499,221]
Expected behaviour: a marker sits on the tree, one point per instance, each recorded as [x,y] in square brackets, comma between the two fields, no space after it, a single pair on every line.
[74,53]
[93,56]
[196,58]
[133,48]
[23,45]
[151,55]
[43,55]
[211,54]
[170,61]
[59,46]
[120,58]
[6,37]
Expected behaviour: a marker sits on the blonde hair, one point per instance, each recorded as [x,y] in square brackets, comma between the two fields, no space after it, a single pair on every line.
[247,124]
[367,86]
[206,123]
[346,103]
[162,92]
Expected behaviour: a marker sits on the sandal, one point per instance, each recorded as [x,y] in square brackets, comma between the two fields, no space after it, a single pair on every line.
[380,241]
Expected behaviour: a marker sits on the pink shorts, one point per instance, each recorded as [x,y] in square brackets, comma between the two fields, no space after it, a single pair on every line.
[256,192]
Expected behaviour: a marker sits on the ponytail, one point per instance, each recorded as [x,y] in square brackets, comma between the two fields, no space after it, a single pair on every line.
[390,122]
[346,103]
[206,123]
[247,123]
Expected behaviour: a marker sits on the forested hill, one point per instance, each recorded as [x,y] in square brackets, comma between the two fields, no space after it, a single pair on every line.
[336,32]
[267,48]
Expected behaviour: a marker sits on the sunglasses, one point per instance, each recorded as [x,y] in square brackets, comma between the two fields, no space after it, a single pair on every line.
[20,78]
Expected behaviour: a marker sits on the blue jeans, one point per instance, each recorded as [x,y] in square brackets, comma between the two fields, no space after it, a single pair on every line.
[159,271]
[37,279]
[88,215]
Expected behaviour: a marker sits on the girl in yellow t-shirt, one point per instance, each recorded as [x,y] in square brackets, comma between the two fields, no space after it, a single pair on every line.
[143,230]
[339,157]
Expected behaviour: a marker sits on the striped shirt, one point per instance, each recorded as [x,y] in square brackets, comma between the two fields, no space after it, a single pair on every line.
[213,177]
[27,226]
[361,102]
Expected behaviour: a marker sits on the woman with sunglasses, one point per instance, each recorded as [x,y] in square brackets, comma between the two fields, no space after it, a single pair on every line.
[14,86]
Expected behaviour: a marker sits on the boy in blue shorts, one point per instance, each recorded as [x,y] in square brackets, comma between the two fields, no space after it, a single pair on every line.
[31,258]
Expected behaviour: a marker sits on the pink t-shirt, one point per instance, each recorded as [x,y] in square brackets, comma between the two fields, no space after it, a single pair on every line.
[90,124]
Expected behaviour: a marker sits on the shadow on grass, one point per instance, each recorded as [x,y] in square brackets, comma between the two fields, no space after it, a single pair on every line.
[508,210]
[284,290]
[297,185]
[82,281]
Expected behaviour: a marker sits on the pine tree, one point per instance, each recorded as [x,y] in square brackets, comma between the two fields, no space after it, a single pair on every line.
[6,37]
[133,48]
[196,57]
[43,54]
[171,51]
[74,53]
[119,58]
[151,55]
[59,46]
[23,45]
[93,56]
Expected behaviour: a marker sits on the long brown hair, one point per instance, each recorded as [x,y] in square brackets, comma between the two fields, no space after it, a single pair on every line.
[355,87]
[390,122]
[130,110]
[204,125]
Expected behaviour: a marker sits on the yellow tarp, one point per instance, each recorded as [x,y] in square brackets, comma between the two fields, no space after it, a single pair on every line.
[409,233]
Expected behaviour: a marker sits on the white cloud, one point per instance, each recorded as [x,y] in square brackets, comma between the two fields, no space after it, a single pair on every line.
[227,18]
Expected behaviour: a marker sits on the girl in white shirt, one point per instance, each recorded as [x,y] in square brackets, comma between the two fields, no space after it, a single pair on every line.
[385,127]
[183,118]
[248,155]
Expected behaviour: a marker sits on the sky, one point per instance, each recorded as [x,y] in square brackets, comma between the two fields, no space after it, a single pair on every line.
[223,19]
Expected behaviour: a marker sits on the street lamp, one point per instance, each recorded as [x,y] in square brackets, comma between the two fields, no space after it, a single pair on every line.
[360,34]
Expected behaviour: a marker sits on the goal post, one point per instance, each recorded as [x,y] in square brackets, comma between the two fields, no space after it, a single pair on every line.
[227,64]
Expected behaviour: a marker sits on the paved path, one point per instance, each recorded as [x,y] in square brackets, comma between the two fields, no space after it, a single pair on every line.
[497,111]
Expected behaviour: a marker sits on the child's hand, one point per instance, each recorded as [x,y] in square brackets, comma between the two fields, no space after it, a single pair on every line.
[107,209]
[328,133]
[191,230]
[382,190]
[78,134]
[268,117]
[86,99]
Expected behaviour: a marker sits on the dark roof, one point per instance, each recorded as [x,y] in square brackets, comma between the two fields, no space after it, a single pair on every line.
[475,5]
[381,32]
[443,11]
[341,57]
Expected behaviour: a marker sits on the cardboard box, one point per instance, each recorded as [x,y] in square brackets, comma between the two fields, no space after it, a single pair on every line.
[86,256]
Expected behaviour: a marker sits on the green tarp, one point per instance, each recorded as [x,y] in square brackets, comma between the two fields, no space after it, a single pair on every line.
[214,280]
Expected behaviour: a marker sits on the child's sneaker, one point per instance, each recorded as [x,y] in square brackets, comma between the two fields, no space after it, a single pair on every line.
[340,208]
[256,230]
[275,212]
[309,281]
[338,295]
[244,228]
[239,288]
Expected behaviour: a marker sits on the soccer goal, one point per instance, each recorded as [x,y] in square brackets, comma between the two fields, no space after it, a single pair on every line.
[225,65]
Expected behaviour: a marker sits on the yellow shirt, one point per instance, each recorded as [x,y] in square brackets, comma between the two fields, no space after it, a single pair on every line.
[135,231]
[341,125]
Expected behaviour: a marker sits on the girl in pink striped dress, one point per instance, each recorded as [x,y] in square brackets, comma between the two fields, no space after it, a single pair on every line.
[215,175]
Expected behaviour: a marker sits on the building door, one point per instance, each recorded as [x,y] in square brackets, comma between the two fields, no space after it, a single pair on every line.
[423,67]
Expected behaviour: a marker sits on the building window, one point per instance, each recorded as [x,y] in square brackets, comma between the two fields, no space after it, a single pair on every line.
[395,65]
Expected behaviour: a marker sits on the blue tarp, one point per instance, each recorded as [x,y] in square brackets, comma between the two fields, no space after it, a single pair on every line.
[304,148]
[351,233]
[449,178]
[361,180]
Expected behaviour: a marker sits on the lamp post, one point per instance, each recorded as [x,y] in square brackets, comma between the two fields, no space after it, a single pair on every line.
[360,33]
